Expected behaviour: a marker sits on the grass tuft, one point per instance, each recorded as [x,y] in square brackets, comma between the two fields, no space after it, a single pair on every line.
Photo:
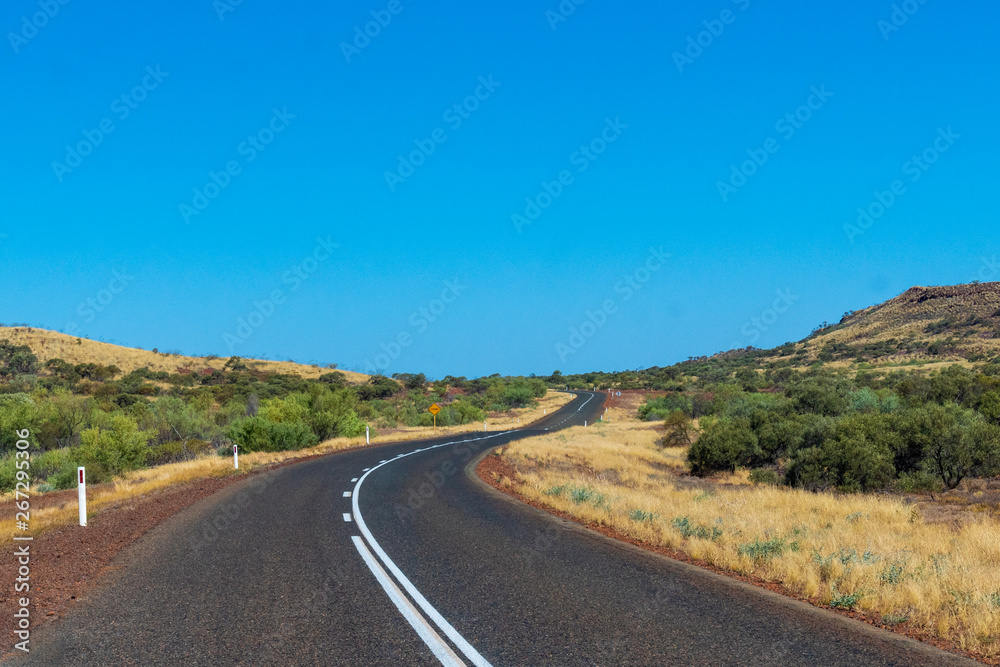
[688,529]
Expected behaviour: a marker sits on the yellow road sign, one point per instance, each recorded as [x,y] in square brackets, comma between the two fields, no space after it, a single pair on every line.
[434,409]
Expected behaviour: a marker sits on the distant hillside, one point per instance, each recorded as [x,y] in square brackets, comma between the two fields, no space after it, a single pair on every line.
[54,345]
[923,323]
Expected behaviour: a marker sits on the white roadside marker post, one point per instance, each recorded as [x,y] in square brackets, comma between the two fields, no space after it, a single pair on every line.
[82,492]
[367,437]
[236,457]
[484,425]
[585,423]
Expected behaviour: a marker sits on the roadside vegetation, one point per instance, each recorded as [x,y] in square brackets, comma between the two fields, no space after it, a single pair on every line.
[114,423]
[872,553]
[824,426]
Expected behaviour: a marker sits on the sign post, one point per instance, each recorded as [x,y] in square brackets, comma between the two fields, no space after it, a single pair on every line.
[236,457]
[82,492]
[434,410]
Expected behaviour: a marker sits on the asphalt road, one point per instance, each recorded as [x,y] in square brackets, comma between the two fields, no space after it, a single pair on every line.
[398,556]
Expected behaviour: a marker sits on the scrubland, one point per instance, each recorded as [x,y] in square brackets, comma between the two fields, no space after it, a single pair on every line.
[872,553]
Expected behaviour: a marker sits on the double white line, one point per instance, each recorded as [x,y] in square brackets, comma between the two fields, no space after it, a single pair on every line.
[417,621]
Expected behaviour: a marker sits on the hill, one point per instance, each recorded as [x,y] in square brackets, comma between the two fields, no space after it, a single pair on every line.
[948,323]
[54,345]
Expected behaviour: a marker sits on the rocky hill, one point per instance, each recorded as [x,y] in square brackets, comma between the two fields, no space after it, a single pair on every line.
[956,322]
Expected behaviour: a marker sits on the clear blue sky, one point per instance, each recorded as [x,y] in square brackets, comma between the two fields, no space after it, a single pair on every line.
[207,85]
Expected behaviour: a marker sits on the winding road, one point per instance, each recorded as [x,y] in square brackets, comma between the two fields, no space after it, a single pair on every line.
[398,555]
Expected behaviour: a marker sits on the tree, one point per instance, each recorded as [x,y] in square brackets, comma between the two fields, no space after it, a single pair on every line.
[989,406]
[678,427]
[63,415]
[850,462]
[960,444]
[725,446]
[235,364]
[411,380]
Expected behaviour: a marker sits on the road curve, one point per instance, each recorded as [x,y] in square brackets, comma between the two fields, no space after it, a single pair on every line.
[398,556]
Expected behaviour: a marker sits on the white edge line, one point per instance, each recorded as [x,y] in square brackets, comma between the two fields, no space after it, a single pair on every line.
[432,613]
[433,640]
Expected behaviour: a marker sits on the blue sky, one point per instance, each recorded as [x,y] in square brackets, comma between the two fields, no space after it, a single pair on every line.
[642,110]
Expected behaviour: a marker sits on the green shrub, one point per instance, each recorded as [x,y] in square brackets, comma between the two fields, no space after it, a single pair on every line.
[584,495]
[8,473]
[177,450]
[687,529]
[842,601]
[257,434]
[765,550]
[65,476]
[724,446]
[17,411]
[917,481]
[851,463]
[118,448]
[48,463]
[893,573]
[765,476]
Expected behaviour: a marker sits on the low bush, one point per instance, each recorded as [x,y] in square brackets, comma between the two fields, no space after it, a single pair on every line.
[258,434]
[178,450]
[117,448]
[764,550]
[765,476]
[724,446]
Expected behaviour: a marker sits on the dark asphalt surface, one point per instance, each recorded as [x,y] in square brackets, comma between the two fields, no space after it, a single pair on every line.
[266,573]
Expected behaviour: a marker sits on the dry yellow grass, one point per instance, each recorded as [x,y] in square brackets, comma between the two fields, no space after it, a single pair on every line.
[143,482]
[52,344]
[941,579]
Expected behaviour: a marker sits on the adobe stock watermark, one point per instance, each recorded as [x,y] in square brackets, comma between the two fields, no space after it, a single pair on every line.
[228,512]
[900,14]
[581,158]
[420,320]
[714,28]
[381,18]
[248,149]
[223,7]
[454,116]
[787,125]
[627,287]
[299,612]
[89,308]
[265,309]
[988,270]
[915,168]
[31,25]
[759,324]
[562,13]
[122,106]
[426,488]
